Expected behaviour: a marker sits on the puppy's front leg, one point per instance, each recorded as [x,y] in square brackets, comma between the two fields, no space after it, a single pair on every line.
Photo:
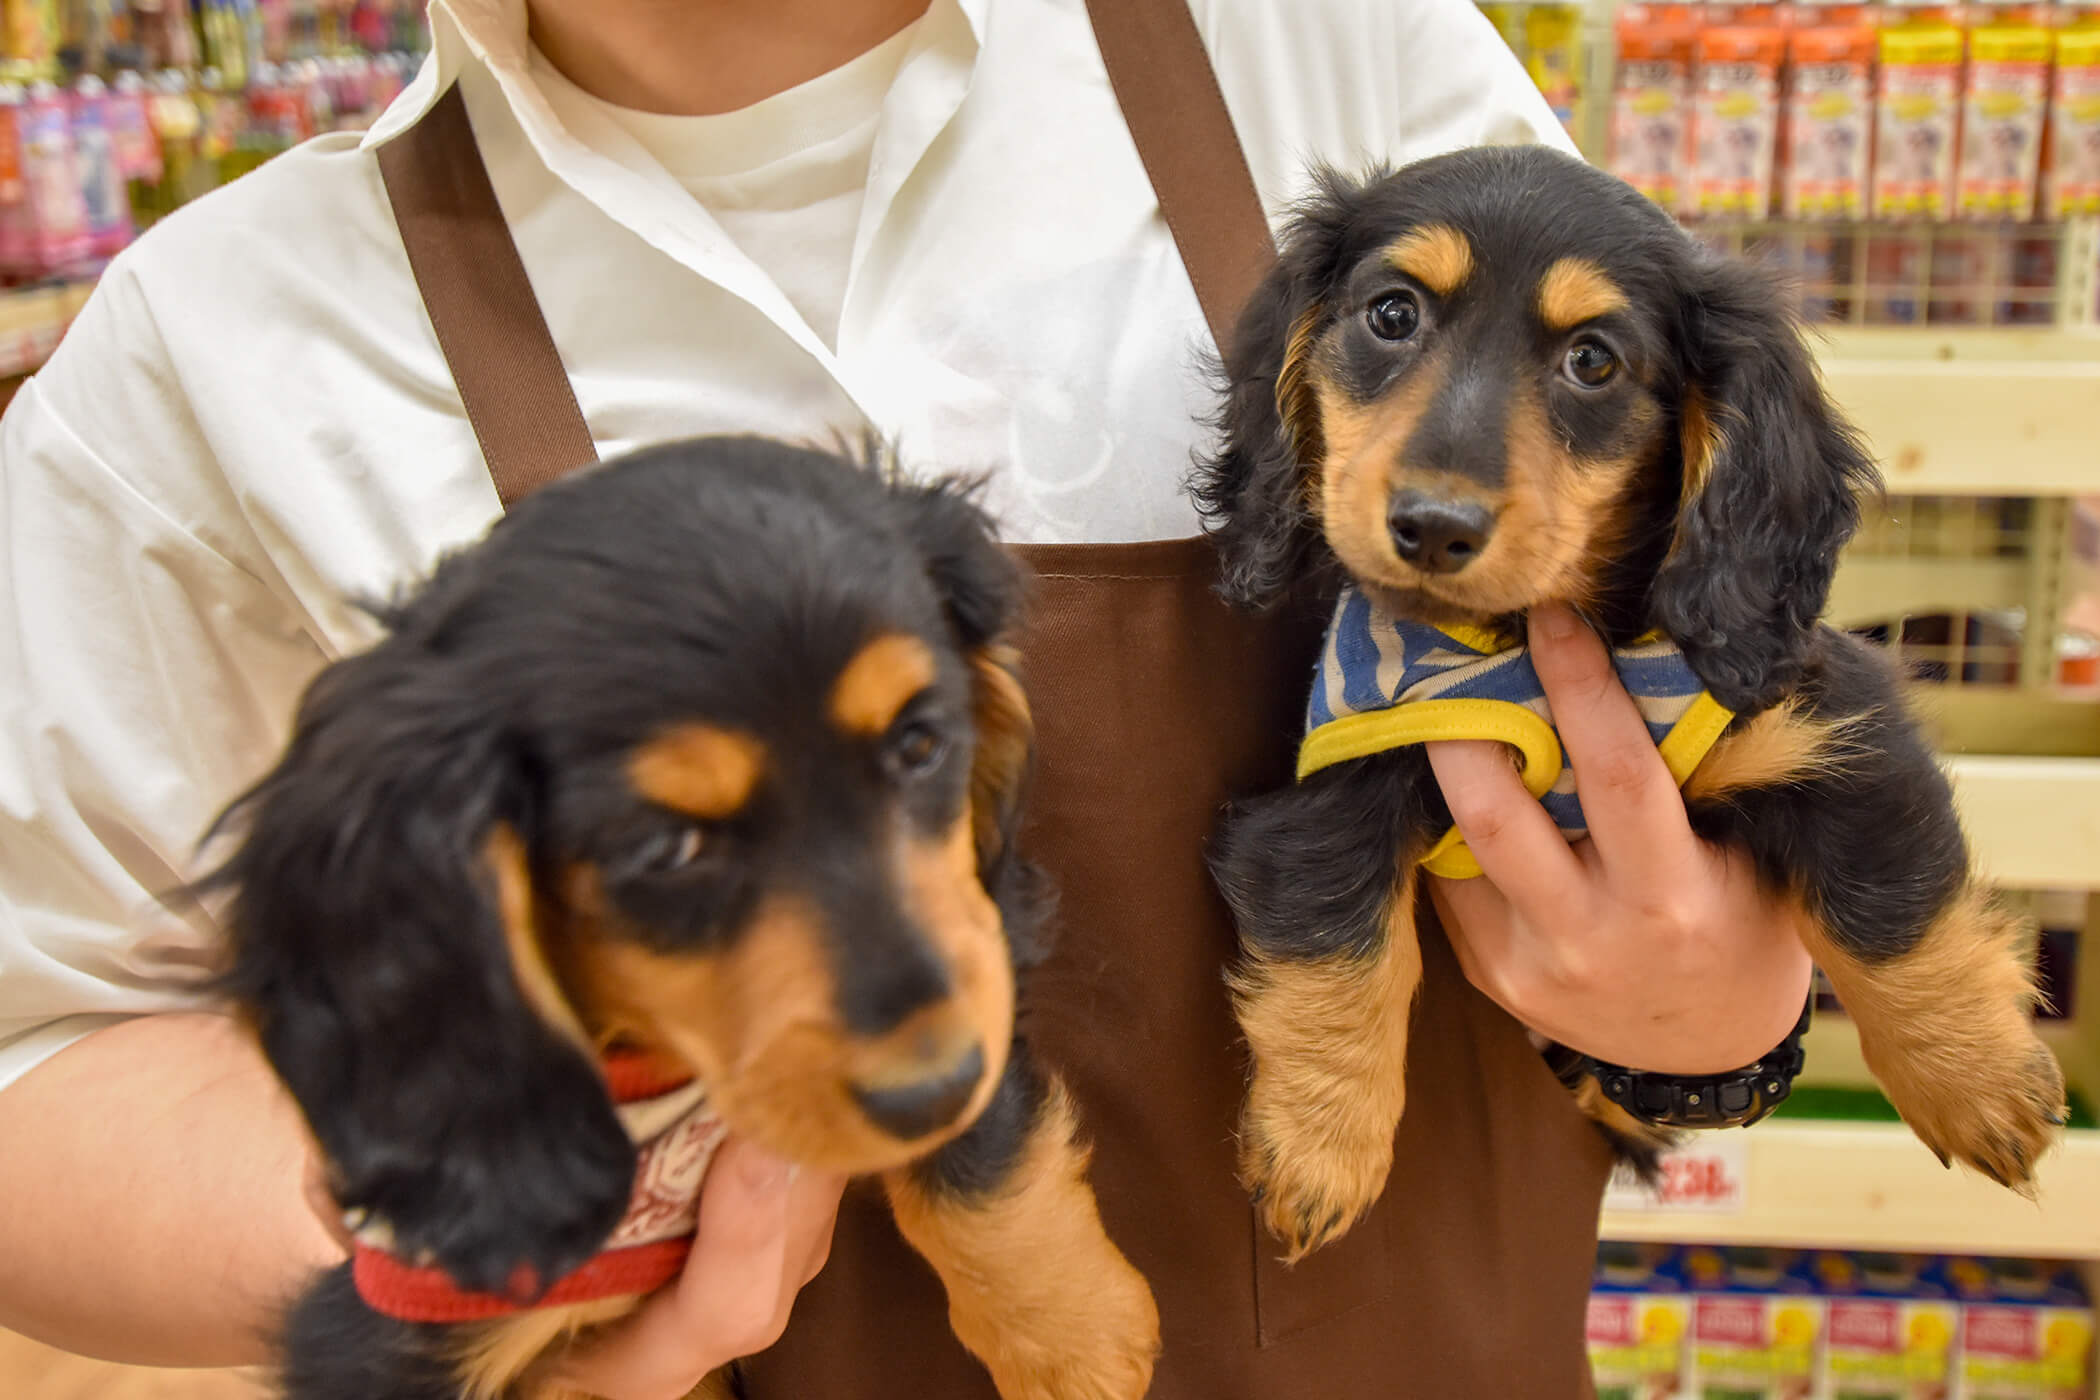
[1321,878]
[1840,799]
[1036,1289]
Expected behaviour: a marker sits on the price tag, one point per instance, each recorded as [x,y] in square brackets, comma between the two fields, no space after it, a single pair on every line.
[1708,1175]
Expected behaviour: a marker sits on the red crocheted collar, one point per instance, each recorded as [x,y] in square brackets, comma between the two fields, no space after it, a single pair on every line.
[667,1177]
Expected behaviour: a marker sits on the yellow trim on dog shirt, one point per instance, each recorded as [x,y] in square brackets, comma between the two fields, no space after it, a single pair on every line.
[1386,682]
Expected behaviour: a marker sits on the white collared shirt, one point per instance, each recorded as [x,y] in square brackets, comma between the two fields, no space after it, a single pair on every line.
[251,422]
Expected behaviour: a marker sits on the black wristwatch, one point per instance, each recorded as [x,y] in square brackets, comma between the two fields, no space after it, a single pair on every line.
[1732,1100]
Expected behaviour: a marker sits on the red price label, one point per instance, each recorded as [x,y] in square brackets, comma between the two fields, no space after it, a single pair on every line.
[1707,1177]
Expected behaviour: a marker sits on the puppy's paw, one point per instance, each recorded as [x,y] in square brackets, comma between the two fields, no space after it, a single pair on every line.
[1313,1169]
[1997,1113]
[1097,1346]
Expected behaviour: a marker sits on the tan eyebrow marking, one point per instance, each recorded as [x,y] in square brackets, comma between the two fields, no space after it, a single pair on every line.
[698,769]
[1575,290]
[878,681]
[1438,256]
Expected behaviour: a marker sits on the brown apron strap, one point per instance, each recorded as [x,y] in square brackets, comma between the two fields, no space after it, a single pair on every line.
[489,324]
[1177,116]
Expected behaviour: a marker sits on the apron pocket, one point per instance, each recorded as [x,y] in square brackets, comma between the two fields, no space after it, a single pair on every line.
[1354,1272]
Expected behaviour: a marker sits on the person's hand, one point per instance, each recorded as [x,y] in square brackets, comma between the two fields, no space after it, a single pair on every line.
[765,1231]
[1641,945]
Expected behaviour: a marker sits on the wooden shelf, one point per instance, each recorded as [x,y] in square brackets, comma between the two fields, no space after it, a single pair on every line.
[32,320]
[2034,822]
[1875,1186]
[1972,411]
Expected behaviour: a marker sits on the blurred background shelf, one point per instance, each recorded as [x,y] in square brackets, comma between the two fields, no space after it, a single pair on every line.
[1998,412]
[1875,1186]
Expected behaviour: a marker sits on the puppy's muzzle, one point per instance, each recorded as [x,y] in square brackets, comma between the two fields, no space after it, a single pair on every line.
[915,1107]
[1438,536]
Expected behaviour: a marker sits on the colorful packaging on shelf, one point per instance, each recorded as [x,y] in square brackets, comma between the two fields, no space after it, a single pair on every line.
[2003,112]
[1919,108]
[1651,112]
[131,127]
[1757,1323]
[102,186]
[1639,1323]
[1889,1329]
[1553,53]
[1735,120]
[2073,182]
[2026,1330]
[17,217]
[32,33]
[60,241]
[1830,122]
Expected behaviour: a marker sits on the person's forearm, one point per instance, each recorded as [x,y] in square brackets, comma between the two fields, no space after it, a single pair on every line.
[152,1202]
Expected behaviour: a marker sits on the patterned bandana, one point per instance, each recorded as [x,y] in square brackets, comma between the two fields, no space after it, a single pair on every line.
[675,1136]
[1386,682]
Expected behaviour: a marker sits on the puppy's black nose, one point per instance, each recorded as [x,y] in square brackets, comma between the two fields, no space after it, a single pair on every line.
[912,1110]
[1439,537]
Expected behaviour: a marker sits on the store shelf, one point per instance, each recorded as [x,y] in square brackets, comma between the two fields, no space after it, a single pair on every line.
[1875,1186]
[2034,822]
[32,319]
[1972,411]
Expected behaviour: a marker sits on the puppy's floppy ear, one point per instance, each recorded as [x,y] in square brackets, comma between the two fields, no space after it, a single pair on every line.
[380,887]
[1256,494]
[1771,487]
[981,588]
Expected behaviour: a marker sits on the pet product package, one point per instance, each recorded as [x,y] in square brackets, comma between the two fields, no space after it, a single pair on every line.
[2073,184]
[1889,1330]
[2026,1330]
[1639,1323]
[1651,109]
[2003,111]
[1553,54]
[1757,1324]
[1830,121]
[1917,119]
[1735,120]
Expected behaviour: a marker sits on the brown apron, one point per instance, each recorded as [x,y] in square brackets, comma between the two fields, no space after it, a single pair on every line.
[1155,704]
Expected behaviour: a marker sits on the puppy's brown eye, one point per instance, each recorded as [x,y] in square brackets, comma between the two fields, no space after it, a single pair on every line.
[1395,316]
[915,748]
[1590,364]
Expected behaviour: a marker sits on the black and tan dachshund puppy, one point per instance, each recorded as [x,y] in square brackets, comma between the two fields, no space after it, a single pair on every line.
[1499,378]
[692,787]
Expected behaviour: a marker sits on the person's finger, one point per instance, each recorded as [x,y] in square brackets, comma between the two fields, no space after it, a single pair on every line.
[734,1281]
[321,1201]
[1629,800]
[813,1214]
[1518,846]
[729,1302]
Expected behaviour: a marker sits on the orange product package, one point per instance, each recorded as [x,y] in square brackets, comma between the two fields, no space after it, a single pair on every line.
[1830,122]
[1735,120]
[1651,110]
